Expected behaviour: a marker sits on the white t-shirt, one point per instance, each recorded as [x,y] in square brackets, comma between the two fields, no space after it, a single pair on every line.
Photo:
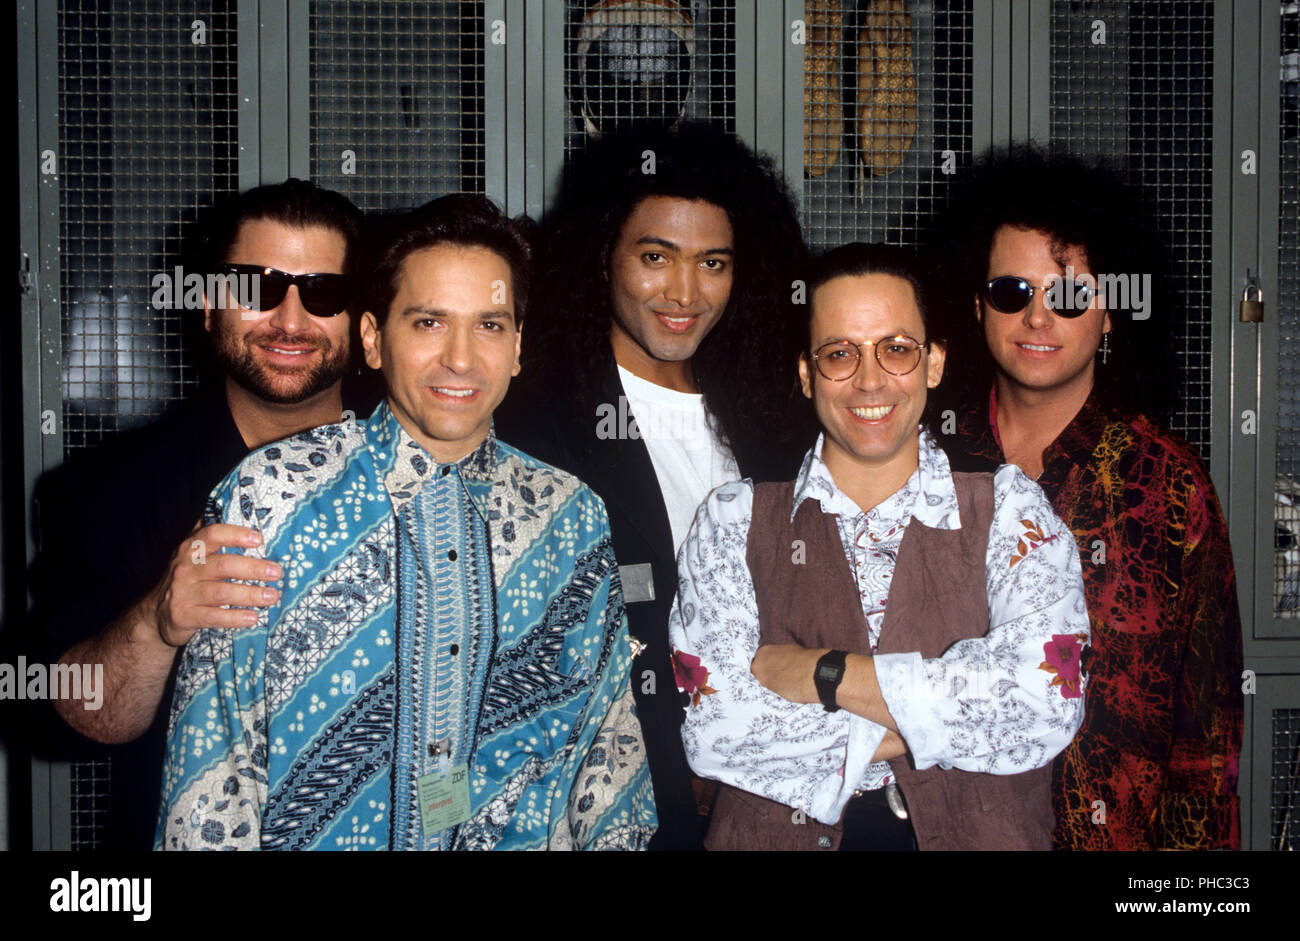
[689,460]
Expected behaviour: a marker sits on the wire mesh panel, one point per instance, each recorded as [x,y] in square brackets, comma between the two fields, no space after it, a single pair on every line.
[397,107]
[887,116]
[147,135]
[1286,497]
[648,62]
[1132,83]
[1285,804]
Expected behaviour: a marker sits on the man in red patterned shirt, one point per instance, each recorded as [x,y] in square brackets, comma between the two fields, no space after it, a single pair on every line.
[1057,258]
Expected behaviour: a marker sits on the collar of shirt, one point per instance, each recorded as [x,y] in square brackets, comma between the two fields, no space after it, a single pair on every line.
[405,465]
[928,496]
[1074,445]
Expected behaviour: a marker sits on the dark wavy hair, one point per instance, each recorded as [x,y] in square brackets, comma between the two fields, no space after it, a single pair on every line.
[859,258]
[745,366]
[467,220]
[1078,204]
[296,203]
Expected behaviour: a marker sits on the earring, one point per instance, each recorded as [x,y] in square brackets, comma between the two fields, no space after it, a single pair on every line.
[1105,346]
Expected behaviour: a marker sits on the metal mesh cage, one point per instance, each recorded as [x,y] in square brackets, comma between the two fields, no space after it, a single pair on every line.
[397,106]
[1285,804]
[887,116]
[1132,83]
[1286,498]
[637,62]
[147,135]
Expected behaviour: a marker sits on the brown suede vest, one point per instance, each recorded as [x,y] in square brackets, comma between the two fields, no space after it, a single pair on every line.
[936,598]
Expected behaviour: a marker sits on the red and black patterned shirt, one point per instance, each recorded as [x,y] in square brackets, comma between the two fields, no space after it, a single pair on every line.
[1162,726]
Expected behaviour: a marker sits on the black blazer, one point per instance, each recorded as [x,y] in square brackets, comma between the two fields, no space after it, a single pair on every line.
[620,472]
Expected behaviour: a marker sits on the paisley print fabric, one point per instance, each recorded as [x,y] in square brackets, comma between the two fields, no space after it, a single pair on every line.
[983,706]
[474,606]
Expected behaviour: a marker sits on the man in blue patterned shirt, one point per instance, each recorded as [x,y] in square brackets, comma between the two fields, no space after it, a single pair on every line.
[447,664]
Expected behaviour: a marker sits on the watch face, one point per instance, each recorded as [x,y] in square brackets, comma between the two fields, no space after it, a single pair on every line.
[828,672]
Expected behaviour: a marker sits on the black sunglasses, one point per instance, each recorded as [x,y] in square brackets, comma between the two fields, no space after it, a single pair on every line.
[1011,295]
[260,288]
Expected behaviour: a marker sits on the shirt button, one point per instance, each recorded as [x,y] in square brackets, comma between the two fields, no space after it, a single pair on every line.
[824,842]
[451,554]
[454,649]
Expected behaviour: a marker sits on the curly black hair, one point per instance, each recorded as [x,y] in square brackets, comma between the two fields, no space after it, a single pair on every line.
[1077,204]
[745,367]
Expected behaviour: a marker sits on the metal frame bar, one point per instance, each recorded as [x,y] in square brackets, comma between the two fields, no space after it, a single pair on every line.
[512,90]
[42,340]
[1018,75]
[790,153]
[516,101]
[494,113]
[526,89]
[993,22]
[1034,91]
[1270,635]
[297,41]
[1242,124]
[1221,329]
[746,104]
[1016,64]
[555,118]
[249,93]
[982,80]
[771,42]
[273,75]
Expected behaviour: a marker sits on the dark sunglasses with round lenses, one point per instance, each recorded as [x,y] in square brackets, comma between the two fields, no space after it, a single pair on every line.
[322,295]
[1011,295]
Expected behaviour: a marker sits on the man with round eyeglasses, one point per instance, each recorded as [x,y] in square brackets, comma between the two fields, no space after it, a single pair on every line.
[880,654]
[1074,372]
[122,521]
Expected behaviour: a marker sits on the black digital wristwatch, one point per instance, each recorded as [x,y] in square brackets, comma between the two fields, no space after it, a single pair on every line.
[827,677]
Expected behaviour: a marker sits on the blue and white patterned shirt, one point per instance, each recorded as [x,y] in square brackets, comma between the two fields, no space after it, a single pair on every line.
[986,705]
[472,606]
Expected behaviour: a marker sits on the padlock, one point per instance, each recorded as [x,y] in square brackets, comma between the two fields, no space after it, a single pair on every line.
[1252,310]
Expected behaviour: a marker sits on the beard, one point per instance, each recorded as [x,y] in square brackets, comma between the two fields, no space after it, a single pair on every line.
[273,383]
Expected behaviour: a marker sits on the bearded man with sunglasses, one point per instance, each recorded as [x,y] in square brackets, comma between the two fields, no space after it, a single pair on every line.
[880,654]
[127,573]
[1075,375]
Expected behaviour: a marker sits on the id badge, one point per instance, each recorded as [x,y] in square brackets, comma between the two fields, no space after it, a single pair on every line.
[444,799]
[638,582]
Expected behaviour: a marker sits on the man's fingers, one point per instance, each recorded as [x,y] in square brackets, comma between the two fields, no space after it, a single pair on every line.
[223,565]
[224,618]
[221,535]
[210,594]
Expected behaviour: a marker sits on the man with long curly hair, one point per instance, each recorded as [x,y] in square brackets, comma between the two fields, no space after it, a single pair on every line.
[1073,313]
[660,365]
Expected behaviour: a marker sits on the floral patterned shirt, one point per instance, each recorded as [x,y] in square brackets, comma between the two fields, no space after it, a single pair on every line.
[1004,703]
[1161,735]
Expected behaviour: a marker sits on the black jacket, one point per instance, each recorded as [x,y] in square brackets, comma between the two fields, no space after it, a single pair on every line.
[107,524]
[620,472]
